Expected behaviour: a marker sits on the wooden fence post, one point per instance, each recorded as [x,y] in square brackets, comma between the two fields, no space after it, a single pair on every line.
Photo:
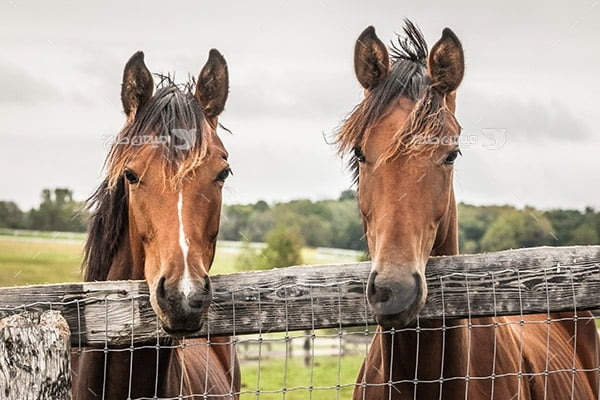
[35,359]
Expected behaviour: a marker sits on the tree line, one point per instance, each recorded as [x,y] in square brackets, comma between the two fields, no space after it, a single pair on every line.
[336,223]
[57,211]
[324,223]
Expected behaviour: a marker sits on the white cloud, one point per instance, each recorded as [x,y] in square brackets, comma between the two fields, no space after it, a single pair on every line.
[22,88]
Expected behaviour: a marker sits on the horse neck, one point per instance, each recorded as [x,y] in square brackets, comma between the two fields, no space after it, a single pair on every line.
[108,375]
[407,351]
[446,242]
[115,376]
[128,261]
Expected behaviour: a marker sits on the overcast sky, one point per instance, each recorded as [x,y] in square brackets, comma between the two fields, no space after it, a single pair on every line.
[529,103]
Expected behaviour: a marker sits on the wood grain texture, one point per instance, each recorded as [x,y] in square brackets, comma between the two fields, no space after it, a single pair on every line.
[35,360]
[521,281]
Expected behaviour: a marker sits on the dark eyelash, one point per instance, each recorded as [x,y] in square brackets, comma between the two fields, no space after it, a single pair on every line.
[223,175]
[360,157]
[452,157]
[131,176]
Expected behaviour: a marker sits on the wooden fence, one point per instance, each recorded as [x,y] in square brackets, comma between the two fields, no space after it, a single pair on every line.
[295,298]
[522,281]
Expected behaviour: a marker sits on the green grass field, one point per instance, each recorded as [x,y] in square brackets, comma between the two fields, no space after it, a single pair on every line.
[331,378]
[32,261]
[33,258]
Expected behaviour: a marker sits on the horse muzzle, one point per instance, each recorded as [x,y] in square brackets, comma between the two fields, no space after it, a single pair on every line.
[396,299]
[181,309]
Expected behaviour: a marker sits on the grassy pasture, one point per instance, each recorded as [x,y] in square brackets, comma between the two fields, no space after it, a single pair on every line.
[331,378]
[26,261]
[43,257]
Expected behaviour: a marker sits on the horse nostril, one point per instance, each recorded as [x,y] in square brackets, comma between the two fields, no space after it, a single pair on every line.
[378,293]
[371,288]
[162,294]
[160,288]
[383,295]
[207,285]
[393,296]
[202,297]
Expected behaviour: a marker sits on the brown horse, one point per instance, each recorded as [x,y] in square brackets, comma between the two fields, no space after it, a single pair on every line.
[404,139]
[156,217]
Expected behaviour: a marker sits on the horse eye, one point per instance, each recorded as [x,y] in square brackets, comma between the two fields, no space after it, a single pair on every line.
[360,157]
[452,157]
[131,176]
[223,175]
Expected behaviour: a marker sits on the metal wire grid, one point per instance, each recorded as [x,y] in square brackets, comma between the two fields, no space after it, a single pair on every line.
[313,389]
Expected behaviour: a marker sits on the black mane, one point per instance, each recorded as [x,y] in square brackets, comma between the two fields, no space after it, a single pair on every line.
[171,111]
[106,228]
[411,47]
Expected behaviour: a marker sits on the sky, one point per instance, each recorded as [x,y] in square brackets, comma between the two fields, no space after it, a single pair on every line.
[528,103]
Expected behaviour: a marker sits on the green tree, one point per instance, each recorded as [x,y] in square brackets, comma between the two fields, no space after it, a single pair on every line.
[347,195]
[474,222]
[247,258]
[326,223]
[259,224]
[518,228]
[58,211]
[347,232]
[312,220]
[234,222]
[261,206]
[565,222]
[11,216]
[585,233]
[284,246]
[315,231]
[596,219]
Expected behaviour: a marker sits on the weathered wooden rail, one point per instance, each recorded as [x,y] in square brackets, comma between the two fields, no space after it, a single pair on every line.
[509,282]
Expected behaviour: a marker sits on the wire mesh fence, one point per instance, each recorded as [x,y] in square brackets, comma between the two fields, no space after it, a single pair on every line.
[300,333]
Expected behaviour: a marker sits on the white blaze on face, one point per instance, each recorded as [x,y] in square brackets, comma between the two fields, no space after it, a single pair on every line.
[186,285]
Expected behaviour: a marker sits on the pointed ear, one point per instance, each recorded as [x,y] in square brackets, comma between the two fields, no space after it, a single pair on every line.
[446,63]
[371,59]
[213,85]
[137,86]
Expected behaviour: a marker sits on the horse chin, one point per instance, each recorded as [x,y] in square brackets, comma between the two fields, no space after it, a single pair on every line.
[178,322]
[396,321]
[405,318]
[186,327]
[179,314]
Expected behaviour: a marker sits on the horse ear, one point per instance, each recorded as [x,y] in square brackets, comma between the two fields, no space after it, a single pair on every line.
[213,85]
[371,59]
[446,63]
[137,86]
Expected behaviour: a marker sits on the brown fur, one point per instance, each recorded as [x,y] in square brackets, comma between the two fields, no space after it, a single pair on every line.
[409,213]
[134,234]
